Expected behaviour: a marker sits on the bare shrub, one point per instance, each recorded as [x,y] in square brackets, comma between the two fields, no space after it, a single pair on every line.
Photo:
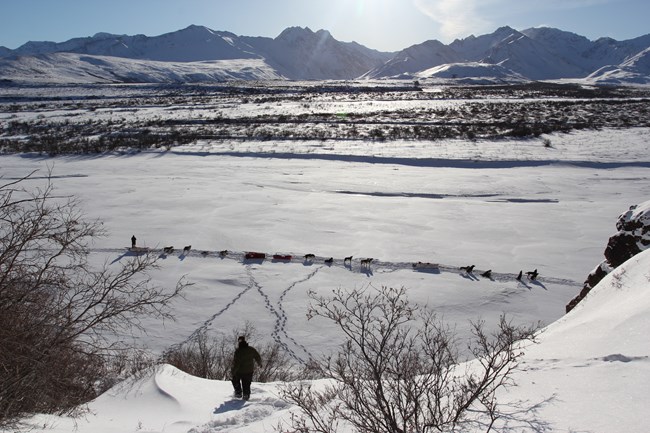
[211,357]
[57,312]
[202,356]
[399,369]
[120,365]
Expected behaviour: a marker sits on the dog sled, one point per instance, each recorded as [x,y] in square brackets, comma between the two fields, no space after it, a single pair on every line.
[282,257]
[426,267]
[138,250]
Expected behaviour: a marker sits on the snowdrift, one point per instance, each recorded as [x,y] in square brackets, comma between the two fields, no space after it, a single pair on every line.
[168,400]
[614,315]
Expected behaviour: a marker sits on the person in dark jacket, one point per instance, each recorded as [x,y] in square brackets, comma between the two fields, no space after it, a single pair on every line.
[243,367]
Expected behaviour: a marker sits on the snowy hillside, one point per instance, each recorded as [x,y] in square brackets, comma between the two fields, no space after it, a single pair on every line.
[302,54]
[591,370]
[414,59]
[537,54]
[296,53]
[472,73]
[527,57]
[569,47]
[78,68]
[194,43]
[635,70]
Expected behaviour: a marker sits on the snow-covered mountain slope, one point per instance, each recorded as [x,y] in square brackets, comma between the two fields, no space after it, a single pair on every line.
[632,237]
[297,53]
[584,54]
[607,51]
[537,54]
[194,43]
[567,46]
[530,59]
[414,59]
[474,72]
[301,54]
[79,68]
[476,47]
[635,70]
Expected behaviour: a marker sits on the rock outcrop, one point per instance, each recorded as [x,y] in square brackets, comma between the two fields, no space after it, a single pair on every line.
[633,237]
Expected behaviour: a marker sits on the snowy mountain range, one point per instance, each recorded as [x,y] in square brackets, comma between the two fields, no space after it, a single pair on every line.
[198,54]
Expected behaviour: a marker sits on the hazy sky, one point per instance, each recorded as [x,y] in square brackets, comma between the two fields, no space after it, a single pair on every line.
[387,25]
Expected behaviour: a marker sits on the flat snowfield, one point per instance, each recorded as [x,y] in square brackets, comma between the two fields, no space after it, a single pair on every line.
[504,206]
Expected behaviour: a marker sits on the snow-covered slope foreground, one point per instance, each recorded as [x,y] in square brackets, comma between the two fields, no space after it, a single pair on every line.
[170,401]
[591,370]
[302,54]
[590,373]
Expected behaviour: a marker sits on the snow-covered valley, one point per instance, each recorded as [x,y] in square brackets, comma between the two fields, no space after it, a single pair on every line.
[548,203]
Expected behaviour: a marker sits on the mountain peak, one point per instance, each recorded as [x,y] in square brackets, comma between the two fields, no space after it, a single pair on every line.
[323,34]
[103,35]
[505,30]
[293,33]
[553,35]
[194,29]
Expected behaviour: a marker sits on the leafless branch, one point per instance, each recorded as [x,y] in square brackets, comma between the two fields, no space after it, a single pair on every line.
[399,369]
[56,310]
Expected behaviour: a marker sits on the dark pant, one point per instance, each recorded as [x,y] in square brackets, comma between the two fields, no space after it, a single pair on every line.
[242,383]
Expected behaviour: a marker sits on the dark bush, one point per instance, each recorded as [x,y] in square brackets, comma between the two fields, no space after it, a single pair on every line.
[57,312]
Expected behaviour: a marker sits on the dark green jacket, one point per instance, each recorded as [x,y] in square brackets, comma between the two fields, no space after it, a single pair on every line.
[245,359]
